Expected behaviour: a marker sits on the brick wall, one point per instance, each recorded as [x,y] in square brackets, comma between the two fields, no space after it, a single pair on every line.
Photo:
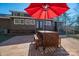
[16,29]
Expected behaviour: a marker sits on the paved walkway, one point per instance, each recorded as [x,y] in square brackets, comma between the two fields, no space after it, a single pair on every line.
[22,46]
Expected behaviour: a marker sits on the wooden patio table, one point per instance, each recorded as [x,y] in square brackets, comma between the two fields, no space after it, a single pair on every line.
[49,39]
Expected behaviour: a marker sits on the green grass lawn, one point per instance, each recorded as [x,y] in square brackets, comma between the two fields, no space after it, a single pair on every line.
[4,37]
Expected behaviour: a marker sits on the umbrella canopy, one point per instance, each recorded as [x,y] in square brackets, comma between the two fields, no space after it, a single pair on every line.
[45,11]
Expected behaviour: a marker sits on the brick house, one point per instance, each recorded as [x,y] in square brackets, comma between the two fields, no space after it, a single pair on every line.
[21,23]
[17,23]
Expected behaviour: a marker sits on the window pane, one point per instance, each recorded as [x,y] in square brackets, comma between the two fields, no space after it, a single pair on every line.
[21,14]
[22,21]
[19,21]
[29,22]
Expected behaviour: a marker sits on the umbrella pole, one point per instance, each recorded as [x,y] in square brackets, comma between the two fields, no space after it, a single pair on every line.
[43,37]
[56,29]
[35,26]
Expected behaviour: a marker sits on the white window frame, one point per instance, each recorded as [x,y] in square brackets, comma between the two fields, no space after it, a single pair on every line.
[29,22]
[19,21]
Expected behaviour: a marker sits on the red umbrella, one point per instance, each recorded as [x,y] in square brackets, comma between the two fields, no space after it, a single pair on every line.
[46,10]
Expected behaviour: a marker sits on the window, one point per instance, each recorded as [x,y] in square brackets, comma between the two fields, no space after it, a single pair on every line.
[19,21]
[29,22]
[26,15]
[14,14]
[21,14]
[24,22]
[18,14]
[48,23]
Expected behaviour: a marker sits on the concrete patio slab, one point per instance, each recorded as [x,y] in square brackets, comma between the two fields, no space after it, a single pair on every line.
[71,45]
[23,46]
[16,46]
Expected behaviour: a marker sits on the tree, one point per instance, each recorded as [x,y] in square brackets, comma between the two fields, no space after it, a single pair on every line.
[77,24]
